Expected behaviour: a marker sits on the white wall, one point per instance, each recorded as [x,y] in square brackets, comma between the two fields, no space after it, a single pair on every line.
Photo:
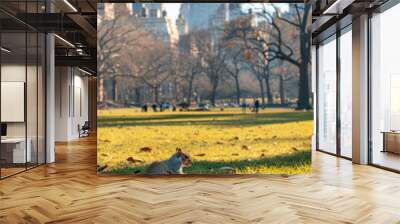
[12,73]
[80,103]
[33,126]
[61,103]
[71,103]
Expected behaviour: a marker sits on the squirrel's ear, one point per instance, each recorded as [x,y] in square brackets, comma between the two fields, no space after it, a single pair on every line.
[178,149]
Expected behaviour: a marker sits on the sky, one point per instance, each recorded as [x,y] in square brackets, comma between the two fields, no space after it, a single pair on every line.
[172,10]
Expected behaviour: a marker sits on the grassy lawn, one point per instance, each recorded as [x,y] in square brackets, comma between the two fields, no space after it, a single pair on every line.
[273,141]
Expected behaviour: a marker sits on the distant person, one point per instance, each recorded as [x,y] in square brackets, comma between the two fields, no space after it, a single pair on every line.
[161,107]
[244,106]
[256,106]
[144,107]
[154,106]
[173,107]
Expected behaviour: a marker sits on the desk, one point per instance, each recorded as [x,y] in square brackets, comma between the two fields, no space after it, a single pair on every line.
[13,150]
[391,141]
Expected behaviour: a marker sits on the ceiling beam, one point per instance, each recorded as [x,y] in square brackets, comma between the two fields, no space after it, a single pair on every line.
[337,7]
[77,61]
[84,24]
[49,22]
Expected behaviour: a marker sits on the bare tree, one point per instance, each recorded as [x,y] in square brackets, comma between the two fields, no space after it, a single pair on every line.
[215,70]
[234,64]
[279,47]
[258,69]
[191,59]
[113,37]
[259,60]
[236,33]
[284,71]
[192,68]
[152,66]
[245,33]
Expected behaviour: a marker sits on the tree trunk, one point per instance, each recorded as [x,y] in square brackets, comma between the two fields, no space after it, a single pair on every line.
[260,81]
[281,90]
[213,94]
[137,95]
[189,96]
[237,90]
[176,88]
[268,90]
[113,89]
[305,43]
[304,94]
[155,91]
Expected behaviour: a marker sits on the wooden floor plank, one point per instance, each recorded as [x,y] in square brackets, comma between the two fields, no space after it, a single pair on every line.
[69,191]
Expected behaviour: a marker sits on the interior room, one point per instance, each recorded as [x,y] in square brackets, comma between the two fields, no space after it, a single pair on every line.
[335,95]
[71,112]
[22,98]
[334,52]
[45,83]
[385,90]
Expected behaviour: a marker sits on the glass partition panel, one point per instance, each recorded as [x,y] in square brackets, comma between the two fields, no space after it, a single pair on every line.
[346,93]
[31,98]
[41,98]
[14,151]
[22,107]
[327,96]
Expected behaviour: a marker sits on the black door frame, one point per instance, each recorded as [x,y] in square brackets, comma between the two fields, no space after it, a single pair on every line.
[339,30]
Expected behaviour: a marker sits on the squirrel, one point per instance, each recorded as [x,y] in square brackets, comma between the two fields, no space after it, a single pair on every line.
[173,165]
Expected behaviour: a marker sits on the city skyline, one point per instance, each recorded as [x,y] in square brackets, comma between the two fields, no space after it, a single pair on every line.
[173,9]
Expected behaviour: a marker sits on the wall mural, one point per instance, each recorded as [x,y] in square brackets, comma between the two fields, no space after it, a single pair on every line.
[216,88]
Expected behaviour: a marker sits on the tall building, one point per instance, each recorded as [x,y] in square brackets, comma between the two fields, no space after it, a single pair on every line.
[202,15]
[235,10]
[181,25]
[152,15]
[113,9]
[154,18]
[137,8]
[221,16]
[197,15]
[225,13]
[147,9]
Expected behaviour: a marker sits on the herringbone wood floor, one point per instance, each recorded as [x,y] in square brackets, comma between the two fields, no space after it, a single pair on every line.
[69,191]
